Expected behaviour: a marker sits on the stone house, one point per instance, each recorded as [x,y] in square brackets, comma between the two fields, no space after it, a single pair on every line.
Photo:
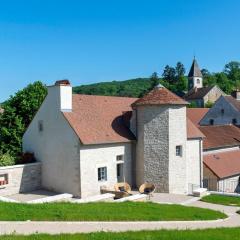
[196,92]
[86,142]
[221,155]
[226,110]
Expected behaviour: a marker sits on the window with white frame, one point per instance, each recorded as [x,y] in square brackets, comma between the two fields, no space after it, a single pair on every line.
[102,174]
[179,151]
[120,158]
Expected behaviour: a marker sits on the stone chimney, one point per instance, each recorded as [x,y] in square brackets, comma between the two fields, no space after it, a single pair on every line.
[61,94]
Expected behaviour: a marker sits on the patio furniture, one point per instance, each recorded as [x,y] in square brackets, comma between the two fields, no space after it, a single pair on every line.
[148,189]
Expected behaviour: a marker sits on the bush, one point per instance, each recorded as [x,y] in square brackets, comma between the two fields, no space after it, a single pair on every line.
[26,157]
[6,159]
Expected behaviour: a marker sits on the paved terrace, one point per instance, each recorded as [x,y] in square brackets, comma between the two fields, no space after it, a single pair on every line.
[29,227]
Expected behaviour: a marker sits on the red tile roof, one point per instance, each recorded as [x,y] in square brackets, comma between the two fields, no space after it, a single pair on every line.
[196,114]
[98,119]
[193,131]
[220,136]
[224,164]
[198,93]
[233,101]
[104,119]
[160,96]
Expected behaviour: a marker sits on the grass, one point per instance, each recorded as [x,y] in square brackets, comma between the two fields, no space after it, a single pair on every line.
[221,199]
[212,234]
[128,211]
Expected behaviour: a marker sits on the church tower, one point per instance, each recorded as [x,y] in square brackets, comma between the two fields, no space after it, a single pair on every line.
[195,77]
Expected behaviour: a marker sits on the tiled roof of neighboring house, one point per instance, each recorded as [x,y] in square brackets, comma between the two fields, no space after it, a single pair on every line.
[223,164]
[233,101]
[195,70]
[98,119]
[220,136]
[196,114]
[193,131]
[198,93]
[104,119]
[160,96]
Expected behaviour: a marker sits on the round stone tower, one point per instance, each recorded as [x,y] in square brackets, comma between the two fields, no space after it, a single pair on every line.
[161,140]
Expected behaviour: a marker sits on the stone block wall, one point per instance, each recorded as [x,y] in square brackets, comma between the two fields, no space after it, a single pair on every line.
[20,178]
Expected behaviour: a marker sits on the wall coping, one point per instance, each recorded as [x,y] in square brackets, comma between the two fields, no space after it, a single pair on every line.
[19,166]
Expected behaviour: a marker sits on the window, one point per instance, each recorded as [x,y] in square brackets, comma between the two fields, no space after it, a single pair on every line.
[179,151]
[198,81]
[102,174]
[234,121]
[222,111]
[211,121]
[120,158]
[40,126]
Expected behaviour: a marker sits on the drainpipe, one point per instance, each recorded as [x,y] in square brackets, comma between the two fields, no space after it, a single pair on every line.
[200,153]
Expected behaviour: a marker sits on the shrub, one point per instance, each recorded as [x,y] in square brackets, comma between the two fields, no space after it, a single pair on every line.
[26,157]
[6,159]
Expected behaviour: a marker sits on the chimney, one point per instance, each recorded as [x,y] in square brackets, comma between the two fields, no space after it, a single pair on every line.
[236,94]
[62,92]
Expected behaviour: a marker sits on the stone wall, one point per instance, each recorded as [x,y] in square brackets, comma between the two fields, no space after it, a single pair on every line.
[152,149]
[20,178]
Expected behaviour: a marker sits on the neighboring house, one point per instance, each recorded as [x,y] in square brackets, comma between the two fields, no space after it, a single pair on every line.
[196,92]
[1,110]
[88,142]
[226,110]
[221,155]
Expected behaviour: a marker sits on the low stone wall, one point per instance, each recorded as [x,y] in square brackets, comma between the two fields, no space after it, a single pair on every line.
[20,178]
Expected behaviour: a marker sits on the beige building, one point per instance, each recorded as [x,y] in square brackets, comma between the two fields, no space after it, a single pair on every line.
[86,142]
[197,93]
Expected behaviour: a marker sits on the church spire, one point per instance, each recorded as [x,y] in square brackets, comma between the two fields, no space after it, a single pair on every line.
[195,77]
[195,70]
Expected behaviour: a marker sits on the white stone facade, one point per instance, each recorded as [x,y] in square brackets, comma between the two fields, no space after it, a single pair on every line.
[105,155]
[194,163]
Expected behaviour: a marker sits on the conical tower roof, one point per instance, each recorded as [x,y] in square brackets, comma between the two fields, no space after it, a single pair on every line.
[195,70]
[160,96]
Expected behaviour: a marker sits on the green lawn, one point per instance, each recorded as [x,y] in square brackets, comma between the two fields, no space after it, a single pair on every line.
[127,211]
[208,234]
[223,200]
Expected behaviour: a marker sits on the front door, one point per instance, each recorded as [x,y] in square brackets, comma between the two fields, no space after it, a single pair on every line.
[120,177]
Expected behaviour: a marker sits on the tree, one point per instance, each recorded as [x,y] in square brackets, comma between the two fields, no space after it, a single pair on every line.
[180,70]
[232,69]
[154,80]
[19,111]
[169,74]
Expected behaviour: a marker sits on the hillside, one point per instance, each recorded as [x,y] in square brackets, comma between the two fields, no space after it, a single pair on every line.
[129,88]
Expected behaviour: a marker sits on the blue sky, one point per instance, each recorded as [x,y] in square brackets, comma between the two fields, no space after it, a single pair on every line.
[92,41]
